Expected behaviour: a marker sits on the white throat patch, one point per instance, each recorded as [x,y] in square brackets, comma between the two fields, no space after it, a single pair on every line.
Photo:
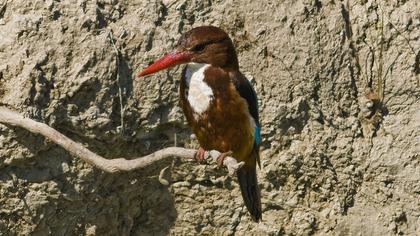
[199,92]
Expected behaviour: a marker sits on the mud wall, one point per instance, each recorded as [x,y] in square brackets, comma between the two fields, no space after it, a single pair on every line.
[338,87]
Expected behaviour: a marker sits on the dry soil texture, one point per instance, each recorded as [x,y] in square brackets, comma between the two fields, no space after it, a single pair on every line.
[338,86]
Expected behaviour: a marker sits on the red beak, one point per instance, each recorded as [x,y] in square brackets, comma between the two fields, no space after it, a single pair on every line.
[169,60]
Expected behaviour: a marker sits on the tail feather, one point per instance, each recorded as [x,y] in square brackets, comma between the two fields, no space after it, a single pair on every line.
[247,177]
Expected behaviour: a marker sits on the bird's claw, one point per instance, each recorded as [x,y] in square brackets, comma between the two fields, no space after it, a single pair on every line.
[222,157]
[200,154]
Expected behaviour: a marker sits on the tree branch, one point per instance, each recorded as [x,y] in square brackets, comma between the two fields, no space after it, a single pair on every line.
[13,118]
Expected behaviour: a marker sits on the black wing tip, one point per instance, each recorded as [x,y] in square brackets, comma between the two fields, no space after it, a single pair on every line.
[250,192]
[255,211]
[257,216]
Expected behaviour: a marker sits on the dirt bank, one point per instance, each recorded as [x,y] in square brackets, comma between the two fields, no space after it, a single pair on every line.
[338,88]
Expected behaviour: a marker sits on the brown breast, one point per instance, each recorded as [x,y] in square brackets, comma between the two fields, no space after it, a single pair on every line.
[226,125]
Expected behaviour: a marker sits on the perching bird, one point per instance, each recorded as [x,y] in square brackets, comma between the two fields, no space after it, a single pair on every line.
[219,103]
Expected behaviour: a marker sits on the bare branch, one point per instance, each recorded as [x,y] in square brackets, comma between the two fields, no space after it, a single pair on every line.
[10,117]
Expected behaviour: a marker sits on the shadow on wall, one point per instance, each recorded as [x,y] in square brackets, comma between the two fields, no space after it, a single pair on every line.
[65,196]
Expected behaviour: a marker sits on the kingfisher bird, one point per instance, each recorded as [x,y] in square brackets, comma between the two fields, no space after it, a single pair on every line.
[219,103]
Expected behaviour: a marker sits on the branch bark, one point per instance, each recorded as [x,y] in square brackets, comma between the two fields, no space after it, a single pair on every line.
[13,118]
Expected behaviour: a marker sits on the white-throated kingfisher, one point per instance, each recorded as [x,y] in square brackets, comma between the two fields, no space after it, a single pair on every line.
[219,103]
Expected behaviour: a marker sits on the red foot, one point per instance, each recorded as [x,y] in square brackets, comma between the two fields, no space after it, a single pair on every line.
[199,155]
[221,158]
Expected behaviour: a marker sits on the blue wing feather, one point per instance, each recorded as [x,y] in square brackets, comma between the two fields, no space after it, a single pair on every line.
[257,135]
[245,89]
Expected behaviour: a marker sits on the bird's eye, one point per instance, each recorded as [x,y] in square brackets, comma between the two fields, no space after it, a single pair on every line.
[198,47]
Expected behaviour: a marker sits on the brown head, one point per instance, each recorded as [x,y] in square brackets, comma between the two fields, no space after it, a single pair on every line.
[205,44]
